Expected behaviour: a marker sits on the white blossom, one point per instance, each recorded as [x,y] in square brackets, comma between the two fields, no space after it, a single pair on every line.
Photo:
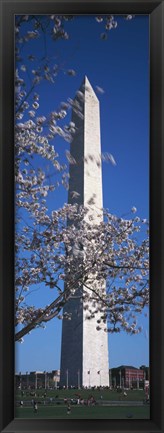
[99,19]
[32,34]
[99,89]
[32,113]
[71,72]
[23,68]
[134,209]
[35,105]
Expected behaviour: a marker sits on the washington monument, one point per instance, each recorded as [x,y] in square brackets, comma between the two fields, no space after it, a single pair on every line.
[84,351]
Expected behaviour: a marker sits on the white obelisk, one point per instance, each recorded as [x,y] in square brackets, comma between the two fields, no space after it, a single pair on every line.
[84,351]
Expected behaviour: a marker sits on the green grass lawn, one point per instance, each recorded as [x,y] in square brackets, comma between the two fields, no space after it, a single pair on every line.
[84,412]
[132,395]
[58,410]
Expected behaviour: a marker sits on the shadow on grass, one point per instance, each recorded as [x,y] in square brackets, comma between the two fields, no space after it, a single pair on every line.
[84,412]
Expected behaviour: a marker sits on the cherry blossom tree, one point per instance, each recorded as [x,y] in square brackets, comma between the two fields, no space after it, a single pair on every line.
[66,258]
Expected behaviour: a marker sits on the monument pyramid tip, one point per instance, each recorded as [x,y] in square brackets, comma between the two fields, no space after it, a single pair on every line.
[86,80]
[88,85]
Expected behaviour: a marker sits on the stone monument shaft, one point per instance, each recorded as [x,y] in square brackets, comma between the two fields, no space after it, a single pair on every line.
[84,352]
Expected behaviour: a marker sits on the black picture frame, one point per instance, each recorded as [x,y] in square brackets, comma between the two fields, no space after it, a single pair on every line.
[155,10]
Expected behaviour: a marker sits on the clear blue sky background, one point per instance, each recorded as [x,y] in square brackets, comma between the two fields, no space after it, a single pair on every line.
[119,65]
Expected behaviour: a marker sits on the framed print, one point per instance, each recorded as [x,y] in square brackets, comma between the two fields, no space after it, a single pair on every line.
[86,74]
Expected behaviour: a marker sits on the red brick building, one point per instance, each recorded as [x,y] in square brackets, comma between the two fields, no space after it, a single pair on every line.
[127,376]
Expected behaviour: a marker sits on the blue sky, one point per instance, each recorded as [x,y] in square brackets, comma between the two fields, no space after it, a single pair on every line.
[119,65]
